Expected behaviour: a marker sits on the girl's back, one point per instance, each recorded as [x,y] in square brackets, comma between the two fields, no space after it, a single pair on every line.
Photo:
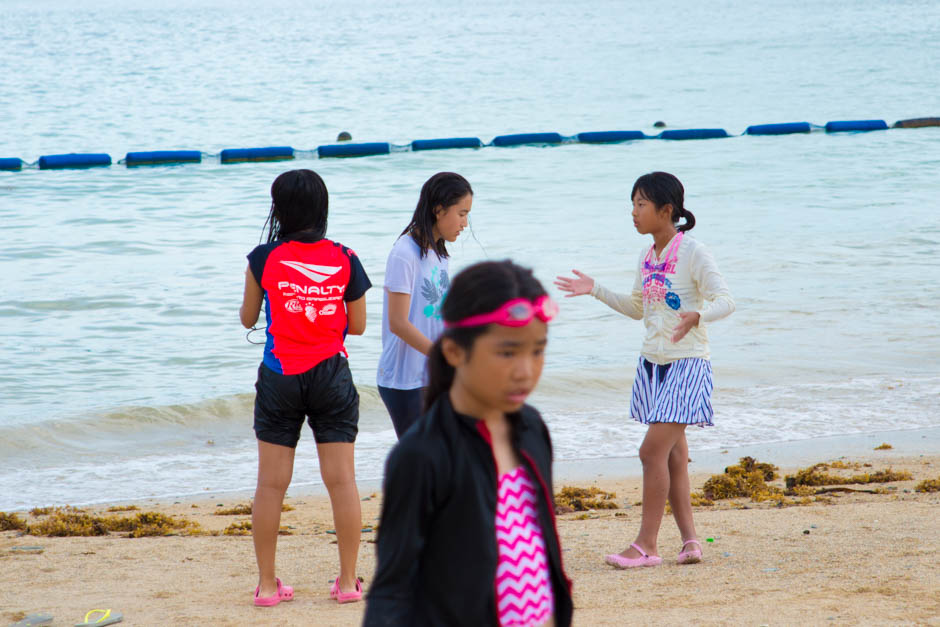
[305,283]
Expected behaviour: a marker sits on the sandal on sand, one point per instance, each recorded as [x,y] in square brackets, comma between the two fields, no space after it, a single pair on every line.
[34,620]
[645,559]
[345,597]
[693,556]
[284,593]
[107,618]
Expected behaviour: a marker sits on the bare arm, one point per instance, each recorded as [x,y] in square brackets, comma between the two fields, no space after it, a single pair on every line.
[356,316]
[251,302]
[399,305]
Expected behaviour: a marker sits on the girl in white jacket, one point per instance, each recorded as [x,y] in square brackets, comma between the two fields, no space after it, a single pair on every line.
[678,291]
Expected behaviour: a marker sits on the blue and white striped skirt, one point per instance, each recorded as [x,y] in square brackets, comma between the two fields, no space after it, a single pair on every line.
[677,392]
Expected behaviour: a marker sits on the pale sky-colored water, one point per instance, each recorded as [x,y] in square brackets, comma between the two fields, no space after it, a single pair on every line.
[119,304]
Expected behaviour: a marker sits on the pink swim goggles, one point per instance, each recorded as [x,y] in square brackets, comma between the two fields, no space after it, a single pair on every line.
[516,313]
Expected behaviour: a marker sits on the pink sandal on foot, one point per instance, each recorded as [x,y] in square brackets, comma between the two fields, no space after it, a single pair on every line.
[284,593]
[693,556]
[346,597]
[645,559]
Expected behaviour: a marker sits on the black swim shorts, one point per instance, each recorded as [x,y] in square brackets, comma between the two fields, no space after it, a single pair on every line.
[325,395]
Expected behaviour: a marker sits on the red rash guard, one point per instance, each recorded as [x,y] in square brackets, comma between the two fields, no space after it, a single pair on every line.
[306,286]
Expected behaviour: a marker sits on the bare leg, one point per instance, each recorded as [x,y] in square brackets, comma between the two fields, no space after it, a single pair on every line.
[657,446]
[679,488]
[337,467]
[275,467]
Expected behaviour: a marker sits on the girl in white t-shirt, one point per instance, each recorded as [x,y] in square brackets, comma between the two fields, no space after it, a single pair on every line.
[677,291]
[416,281]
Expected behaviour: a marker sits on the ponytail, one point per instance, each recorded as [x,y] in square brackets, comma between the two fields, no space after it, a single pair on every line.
[440,375]
[478,289]
[689,220]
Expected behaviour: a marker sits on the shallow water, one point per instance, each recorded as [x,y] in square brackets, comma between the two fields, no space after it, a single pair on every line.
[129,375]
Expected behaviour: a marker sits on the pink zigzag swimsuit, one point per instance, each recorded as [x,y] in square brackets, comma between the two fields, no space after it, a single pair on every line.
[523,586]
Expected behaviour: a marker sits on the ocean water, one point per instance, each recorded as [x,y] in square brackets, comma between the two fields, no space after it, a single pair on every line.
[128,375]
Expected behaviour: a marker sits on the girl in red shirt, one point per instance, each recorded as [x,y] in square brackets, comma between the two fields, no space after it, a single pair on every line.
[313,291]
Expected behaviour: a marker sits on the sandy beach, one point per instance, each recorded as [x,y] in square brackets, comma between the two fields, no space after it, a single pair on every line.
[843,559]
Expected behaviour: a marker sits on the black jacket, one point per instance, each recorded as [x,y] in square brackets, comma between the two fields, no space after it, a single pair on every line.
[436,544]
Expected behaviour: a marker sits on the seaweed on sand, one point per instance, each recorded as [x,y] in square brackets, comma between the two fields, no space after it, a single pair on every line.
[238,510]
[746,479]
[238,529]
[245,510]
[66,521]
[816,475]
[928,485]
[574,499]
[11,522]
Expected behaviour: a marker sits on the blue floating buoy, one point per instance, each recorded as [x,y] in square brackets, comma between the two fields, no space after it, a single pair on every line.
[694,133]
[856,125]
[451,142]
[162,157]
[354,150]
[13,163]
[527,138]
[73,160]
[608,137]
[917,123]
[271,153]
[779,129]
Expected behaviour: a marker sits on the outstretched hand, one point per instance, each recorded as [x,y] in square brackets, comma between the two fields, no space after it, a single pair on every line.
[580,286]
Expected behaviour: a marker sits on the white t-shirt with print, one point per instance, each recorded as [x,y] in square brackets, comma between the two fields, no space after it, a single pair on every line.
[426,279]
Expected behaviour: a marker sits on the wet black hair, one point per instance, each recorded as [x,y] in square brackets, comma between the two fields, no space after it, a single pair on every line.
[444,190]
[299,203]
[478,289]
[662,188]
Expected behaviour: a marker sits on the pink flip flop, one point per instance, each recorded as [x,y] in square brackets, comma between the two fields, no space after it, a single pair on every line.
[645,559]
[693,556]
[346,597]
[284,593]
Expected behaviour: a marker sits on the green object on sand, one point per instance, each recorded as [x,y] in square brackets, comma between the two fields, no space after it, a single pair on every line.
[709,539]
[34,619]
